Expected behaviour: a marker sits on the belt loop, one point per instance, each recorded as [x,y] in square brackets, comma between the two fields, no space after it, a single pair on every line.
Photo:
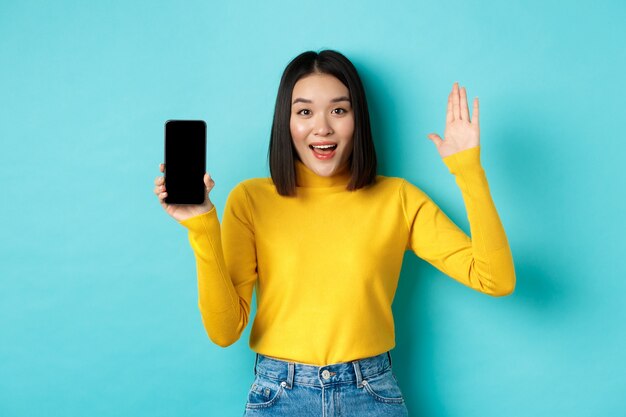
[389,355]
[290,374]
[256,360]
[357,372]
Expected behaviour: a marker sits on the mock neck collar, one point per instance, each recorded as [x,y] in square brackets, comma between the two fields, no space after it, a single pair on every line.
[309,179]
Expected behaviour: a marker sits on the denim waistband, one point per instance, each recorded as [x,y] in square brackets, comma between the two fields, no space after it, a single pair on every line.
[345,372]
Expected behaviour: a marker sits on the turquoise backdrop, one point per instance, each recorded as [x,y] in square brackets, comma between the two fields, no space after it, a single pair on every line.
[98,297]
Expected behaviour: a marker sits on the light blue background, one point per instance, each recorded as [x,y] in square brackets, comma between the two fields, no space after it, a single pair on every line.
[98,297]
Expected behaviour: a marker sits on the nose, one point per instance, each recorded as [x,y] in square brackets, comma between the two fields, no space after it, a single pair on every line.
[322,127]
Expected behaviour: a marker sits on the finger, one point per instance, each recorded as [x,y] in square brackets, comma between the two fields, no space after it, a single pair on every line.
[159,180]
[162,167]
[159,189]
[435,138]
[475,112]
[455,101]
[162,196]
[464,105]
[449,113]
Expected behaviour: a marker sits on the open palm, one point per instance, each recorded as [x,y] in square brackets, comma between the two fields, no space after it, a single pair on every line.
[461,132]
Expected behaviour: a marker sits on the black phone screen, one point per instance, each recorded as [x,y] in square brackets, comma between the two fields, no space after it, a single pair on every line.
[185,161]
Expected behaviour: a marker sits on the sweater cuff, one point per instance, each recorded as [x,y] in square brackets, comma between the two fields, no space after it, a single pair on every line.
[201,222]
[464,161]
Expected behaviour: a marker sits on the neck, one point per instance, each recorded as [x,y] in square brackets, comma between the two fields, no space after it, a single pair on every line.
[305,177]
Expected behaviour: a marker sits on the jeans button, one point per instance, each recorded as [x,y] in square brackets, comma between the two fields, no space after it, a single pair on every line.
[325,374]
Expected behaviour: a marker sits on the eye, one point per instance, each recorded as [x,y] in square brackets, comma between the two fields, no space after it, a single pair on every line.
[339,110]
[304,112]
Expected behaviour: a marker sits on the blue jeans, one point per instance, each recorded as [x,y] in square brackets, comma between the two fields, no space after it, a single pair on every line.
[362,388]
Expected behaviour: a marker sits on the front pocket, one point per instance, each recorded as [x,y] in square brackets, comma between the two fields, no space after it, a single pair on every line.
[263,393]
[384,389]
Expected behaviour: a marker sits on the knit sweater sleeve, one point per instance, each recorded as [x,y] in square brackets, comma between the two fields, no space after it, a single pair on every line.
[483,262]
[226,267]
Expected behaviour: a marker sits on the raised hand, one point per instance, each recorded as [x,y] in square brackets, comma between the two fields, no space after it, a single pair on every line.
[182,212]
[461,133]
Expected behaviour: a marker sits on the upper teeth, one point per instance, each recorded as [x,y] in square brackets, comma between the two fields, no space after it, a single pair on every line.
[323,146]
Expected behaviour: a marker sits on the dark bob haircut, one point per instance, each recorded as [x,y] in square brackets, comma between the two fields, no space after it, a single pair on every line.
[282,152]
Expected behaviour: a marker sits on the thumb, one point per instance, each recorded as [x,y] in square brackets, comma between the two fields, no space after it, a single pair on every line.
[435,139]
[208,182]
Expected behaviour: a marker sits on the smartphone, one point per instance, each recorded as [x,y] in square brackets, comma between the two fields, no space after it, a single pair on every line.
[185,161]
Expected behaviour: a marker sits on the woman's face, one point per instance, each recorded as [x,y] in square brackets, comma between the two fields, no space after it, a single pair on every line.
[322,123]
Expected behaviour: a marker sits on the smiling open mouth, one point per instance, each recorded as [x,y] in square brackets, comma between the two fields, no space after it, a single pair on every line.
[325,149]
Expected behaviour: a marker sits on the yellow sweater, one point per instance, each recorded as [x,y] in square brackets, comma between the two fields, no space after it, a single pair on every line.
[326,263]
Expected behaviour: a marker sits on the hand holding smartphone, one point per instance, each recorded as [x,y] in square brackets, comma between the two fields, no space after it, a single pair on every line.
[185,149]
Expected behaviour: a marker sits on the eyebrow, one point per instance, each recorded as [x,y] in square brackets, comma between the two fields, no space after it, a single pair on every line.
[335,100]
